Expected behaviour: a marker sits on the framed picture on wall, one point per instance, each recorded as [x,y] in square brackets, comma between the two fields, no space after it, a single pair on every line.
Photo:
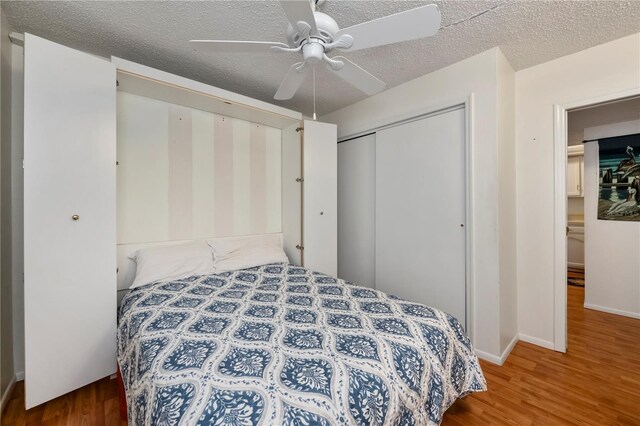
[619,188]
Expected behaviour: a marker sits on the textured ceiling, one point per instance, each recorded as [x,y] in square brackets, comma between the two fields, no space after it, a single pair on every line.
[157,33]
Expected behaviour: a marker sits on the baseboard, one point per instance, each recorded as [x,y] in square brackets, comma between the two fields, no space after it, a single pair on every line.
[508,349]
[494,359]
[575,265]
[19,376]
[536,341]
[7,394]
[612,311]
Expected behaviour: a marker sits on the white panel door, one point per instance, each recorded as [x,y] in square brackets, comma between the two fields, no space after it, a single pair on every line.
[320,197]
[70,265]
[292,193]
[420,212]
[356,210]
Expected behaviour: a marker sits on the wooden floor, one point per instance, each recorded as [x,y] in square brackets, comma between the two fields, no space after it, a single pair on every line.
[95,404]
[597,382]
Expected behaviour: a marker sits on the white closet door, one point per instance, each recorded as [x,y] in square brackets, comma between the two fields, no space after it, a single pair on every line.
[320,197]
[69,264]
[356,210]
[420,212]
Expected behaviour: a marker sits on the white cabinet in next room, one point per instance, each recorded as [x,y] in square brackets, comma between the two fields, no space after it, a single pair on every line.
[575,171]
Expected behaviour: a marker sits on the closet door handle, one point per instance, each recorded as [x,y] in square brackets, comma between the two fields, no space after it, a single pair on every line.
[75,217]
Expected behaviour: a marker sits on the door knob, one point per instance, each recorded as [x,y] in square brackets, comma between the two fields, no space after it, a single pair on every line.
[75,217]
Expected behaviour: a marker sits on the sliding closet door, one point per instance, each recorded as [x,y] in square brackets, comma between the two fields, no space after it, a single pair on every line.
[420,211]
[320,197]
[356,210]
[69,219]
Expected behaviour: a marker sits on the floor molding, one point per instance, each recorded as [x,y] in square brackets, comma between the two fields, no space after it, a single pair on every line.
[509,348]
[536,341]
[19,376]
[612,311]
[494,359]
[7,393]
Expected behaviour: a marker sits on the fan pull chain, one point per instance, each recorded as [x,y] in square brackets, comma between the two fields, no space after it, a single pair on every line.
[314,93]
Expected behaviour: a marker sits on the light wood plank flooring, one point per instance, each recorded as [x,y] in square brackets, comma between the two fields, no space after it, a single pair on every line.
[95,404]
[597,382]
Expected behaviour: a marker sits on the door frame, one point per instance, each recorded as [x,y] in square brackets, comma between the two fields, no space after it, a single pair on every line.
[560,142]
[467,103]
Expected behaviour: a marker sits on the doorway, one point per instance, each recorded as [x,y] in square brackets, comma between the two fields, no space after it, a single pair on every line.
[576,205]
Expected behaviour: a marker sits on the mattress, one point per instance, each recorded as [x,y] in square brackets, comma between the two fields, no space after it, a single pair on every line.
[280,344]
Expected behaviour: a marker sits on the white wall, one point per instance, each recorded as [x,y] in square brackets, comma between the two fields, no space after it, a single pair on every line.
[17,206]
[7,374]
[615,112]
[612,248]
[507,203]
[477,75]
[606,69]
[575,206]
[184,173]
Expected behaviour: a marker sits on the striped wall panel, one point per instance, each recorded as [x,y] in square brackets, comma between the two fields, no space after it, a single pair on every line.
[185,173]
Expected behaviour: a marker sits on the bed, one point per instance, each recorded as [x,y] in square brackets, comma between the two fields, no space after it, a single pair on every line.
[280,344]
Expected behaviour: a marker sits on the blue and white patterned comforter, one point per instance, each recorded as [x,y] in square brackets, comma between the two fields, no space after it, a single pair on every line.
[279,344]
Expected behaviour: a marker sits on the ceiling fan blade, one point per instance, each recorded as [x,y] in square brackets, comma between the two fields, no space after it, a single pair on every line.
[291,82]
[358,77]
[299,10]
[408,25]
[234,46]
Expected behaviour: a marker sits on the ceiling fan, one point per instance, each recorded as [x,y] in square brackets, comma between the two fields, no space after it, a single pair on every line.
[315,34]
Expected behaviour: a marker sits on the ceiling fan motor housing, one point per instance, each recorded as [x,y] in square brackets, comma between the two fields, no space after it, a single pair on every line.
[327,30]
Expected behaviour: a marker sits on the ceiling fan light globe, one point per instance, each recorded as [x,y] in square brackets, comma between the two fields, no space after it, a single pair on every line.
[313,52]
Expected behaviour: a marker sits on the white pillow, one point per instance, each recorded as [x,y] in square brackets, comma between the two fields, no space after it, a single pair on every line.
[172,262]
[230,254]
